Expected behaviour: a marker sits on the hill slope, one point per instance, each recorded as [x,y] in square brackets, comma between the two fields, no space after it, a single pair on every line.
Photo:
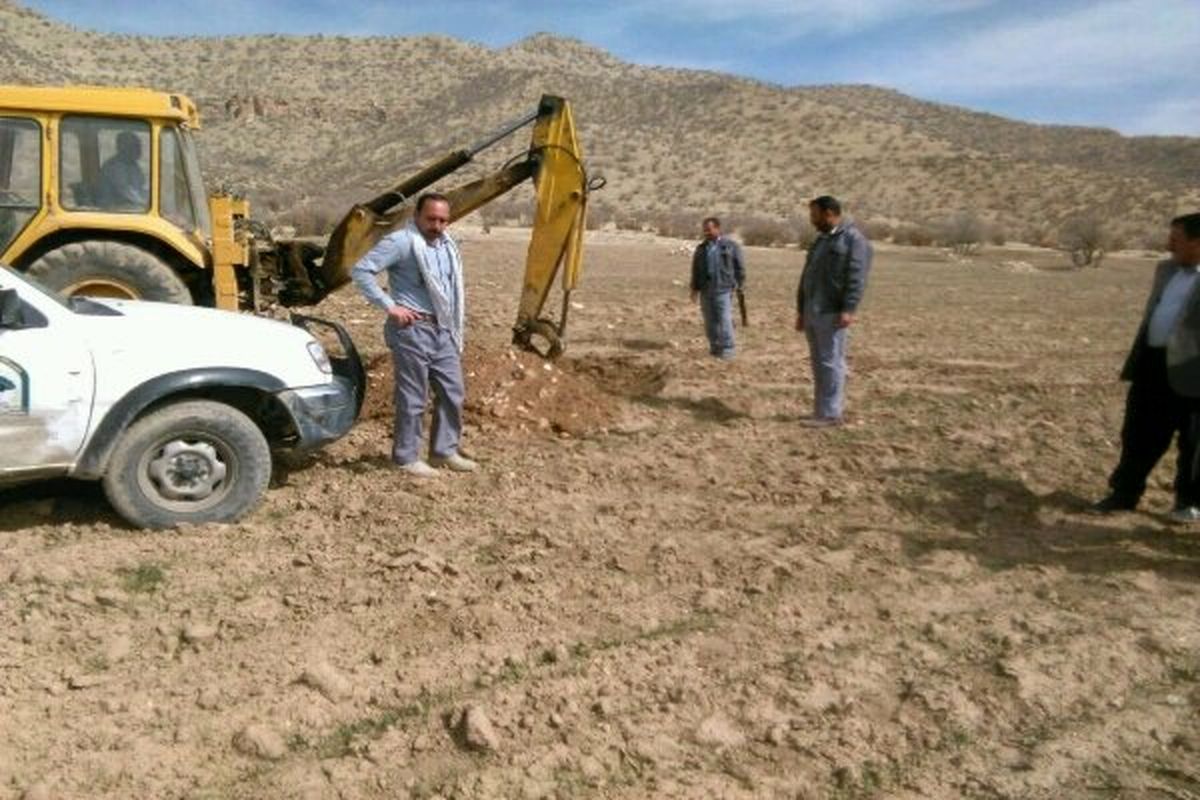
[321,121]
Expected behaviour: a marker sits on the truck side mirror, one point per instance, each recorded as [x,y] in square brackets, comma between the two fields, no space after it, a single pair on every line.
[10,309]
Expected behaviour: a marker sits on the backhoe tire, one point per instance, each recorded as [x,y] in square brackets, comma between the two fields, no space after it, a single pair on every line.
[101,268]
[192,461]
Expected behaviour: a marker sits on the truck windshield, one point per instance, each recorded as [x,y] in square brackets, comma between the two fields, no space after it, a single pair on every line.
[191,163]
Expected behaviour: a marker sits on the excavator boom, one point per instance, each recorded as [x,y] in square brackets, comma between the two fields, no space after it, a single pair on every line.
[554,161]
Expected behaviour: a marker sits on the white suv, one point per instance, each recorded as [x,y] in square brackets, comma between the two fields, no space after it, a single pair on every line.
[175,408]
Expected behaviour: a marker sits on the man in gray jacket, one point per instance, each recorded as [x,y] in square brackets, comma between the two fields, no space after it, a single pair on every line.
[831,288]
[717,270]
[1163,370]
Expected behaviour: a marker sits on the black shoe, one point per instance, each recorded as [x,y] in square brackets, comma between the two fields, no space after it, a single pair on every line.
[1112,504]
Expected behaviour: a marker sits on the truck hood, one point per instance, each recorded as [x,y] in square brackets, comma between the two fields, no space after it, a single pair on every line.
[164,337]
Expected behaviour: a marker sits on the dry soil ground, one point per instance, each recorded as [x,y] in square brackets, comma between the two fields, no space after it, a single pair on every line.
[659,584]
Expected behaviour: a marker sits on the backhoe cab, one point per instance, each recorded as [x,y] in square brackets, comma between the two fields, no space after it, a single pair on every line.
[101,195]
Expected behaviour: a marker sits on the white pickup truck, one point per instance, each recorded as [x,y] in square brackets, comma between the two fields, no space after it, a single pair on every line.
[175,408]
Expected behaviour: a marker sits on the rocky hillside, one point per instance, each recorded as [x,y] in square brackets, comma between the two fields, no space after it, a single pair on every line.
[305,124]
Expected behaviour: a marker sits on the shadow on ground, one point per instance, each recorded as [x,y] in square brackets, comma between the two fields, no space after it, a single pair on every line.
[1003,524]
[55,502]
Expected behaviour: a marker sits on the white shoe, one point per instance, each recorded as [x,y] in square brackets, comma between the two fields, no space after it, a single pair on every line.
[419,469]
[1185,514]
[454,462]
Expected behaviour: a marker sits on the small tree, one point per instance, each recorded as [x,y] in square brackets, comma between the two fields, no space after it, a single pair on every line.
[913,235]
[764,232]
[1085,238]
[963,232]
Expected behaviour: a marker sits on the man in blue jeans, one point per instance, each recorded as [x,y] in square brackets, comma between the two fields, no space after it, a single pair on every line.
[831,287]
[717,269]
[423,328]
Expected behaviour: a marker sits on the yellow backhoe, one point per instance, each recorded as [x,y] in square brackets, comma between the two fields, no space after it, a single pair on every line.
[101,194]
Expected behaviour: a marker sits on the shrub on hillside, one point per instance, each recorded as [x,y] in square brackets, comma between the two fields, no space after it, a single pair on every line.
[763,232]
[806,234]
[629,222]
[913,235]
[677,224]
[1085,238]
[877,230]
[962,232]
[312,219]
[598,215]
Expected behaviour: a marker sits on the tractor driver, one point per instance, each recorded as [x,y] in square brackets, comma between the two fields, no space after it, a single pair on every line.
[123,184]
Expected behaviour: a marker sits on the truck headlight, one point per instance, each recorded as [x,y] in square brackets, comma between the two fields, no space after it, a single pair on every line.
[319,357]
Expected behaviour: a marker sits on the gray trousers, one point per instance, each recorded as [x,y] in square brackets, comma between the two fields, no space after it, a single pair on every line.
[424,356]
[717,310]
[827,352]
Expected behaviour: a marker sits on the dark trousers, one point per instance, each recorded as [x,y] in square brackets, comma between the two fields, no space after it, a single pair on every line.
[1154,414]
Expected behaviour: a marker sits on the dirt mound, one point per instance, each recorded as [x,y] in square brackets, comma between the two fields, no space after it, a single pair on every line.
[509,389]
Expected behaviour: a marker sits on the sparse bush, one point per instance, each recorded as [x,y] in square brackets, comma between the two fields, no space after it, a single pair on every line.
[312,219]
[1085,238]
[962,232]
[677,224]
[510,212]
[913,235]
[598,215]
[877,230]
[806,234]
[628,222]
[761,232]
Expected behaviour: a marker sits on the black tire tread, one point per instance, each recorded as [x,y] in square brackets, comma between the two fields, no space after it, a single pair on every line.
[148,275]
[237,429]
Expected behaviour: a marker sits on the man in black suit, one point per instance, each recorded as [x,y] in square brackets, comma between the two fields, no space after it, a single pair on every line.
[1163,369]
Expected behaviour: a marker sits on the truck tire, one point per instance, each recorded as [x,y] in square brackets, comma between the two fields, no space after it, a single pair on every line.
[100,268]
[192,461]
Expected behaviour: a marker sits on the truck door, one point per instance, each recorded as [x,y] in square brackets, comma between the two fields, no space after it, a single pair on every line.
[46,383]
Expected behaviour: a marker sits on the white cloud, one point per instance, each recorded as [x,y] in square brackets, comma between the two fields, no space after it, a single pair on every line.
[1170,117]
[1115,43]
[789,18]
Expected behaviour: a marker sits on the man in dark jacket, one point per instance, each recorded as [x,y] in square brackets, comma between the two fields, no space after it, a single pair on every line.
[717,269]
[831,287]
[1163,370]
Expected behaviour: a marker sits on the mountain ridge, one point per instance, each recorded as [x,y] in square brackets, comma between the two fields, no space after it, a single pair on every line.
[300,122]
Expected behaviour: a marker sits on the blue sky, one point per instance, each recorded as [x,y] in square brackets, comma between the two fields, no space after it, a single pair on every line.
[1131,65]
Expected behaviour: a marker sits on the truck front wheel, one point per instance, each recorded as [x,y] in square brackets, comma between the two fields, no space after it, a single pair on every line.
[101,268]
[193,461]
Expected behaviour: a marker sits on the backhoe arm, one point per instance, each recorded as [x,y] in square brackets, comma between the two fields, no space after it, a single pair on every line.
[555,164]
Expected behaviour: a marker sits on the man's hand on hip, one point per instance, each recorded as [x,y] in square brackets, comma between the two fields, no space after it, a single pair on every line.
[403,316]
[845,319]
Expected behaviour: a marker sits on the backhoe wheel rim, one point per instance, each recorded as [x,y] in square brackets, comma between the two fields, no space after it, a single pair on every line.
[191,472]
[101,287]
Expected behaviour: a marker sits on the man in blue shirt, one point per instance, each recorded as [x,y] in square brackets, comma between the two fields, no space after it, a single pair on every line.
[1163,369]
[717,269]
[424,330]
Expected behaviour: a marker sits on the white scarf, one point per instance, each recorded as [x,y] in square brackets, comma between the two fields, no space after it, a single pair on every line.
[449,311]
